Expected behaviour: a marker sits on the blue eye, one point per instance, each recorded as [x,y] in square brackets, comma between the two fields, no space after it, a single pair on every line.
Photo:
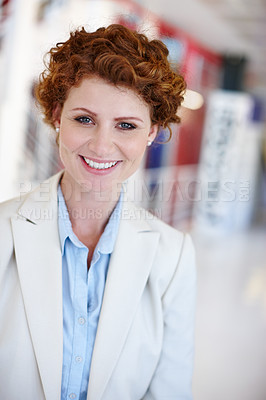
[84,120]
[127,126]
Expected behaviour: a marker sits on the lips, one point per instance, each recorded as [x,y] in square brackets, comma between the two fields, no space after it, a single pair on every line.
[99,166]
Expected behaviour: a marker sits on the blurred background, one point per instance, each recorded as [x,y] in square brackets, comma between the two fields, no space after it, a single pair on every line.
[208,180]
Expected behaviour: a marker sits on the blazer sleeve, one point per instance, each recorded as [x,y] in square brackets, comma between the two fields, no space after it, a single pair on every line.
[172,379]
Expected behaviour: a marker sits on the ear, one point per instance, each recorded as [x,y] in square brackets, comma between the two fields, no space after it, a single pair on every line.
[57,115]
[153,132]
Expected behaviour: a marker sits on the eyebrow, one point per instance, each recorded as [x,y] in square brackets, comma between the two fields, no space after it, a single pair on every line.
[86,110]
[128,118]
[116,119]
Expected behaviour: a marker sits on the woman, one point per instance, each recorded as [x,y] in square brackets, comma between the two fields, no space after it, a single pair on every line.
[97,295]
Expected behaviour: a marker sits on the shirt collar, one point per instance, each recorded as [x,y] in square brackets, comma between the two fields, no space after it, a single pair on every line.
[107,240]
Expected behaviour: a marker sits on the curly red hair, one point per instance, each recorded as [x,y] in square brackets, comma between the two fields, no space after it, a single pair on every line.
[120,56]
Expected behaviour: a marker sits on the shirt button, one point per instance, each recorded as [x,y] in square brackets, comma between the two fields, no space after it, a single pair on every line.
[72,396]
[79,359]
[81,321]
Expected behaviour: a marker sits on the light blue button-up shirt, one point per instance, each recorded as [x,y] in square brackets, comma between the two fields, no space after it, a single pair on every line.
[82,298]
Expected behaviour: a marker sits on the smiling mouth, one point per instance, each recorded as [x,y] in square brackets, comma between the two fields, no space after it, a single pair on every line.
[99,166]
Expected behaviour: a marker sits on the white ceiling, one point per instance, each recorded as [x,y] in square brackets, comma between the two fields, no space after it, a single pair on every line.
[227,26]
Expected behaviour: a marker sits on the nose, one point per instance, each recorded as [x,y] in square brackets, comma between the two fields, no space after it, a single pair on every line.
[101,142]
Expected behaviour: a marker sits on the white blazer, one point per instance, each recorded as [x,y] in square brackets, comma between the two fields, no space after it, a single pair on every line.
[144,342]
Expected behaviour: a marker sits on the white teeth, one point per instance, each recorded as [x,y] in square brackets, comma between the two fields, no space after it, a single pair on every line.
[96,165]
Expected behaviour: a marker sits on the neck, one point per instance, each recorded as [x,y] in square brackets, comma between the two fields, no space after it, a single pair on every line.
[84,205]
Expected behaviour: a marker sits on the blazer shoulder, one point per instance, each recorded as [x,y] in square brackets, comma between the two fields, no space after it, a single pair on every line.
[10,207]
[44,191]
[156,224]
[8,210]
[175,254]
[172,243]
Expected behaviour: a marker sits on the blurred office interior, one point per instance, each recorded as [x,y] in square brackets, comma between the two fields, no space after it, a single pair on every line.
[209,179]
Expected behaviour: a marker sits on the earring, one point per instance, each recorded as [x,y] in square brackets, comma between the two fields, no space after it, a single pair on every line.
[149,143]
[57,129]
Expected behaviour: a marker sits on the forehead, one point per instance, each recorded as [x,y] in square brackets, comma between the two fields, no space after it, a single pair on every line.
[99,93]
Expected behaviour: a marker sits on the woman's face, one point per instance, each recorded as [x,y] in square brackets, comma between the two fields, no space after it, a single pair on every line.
[104,132]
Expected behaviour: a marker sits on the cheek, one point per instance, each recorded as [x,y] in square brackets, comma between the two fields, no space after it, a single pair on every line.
[135,150]
[69,140]
[67,146]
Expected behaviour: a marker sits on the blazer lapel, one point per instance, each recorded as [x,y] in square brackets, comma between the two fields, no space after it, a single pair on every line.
[38,255]
[128,272]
